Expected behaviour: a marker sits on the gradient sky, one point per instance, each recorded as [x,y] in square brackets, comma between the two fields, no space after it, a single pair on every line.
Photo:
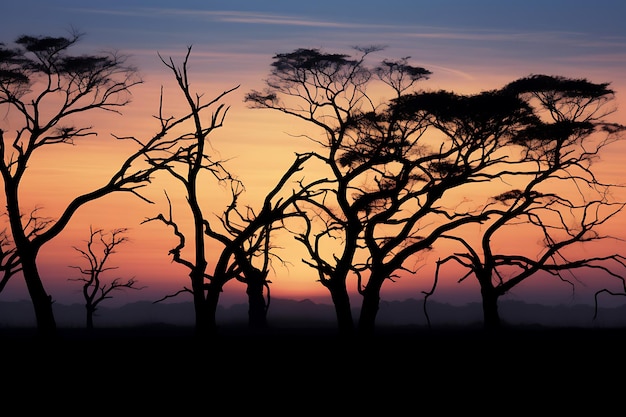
[469,47]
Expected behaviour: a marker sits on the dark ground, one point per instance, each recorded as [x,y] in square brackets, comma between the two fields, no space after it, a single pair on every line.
[319,339]
[312,333]
[311,370]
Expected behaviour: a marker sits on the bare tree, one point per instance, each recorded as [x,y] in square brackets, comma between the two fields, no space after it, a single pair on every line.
[244,234]
[94,289]
[247,236]
[9,262]
[561,199]
[185,159]
[44,88]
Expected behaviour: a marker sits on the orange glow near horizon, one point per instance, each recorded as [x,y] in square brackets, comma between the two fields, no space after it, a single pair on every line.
[257,145]
[145,256]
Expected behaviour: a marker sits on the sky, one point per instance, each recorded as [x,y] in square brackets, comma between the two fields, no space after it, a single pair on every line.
[468,46]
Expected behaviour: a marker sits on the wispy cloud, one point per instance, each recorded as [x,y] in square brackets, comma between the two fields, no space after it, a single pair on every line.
[493,36]
[558,43]
[606,59]
[458,73]
[410,31]
[271,19]
[232,17]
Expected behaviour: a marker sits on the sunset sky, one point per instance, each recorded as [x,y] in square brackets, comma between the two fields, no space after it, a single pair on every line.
[469,46]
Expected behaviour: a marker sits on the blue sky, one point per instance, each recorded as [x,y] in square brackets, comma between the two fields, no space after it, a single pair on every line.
[587,39]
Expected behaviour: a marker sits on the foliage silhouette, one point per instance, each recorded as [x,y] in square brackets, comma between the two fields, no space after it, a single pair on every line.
[396,163]
[363,141]
[560,195]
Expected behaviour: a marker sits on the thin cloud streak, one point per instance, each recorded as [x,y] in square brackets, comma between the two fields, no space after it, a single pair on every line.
[235,17]
[574,38]
[617,59]
[284,20]
[456,72]
[429,32]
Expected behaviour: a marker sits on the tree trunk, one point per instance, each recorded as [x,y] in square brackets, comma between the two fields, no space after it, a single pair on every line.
[341,301]
[90,311]
[257,307]
[208,322]
[491,316]
[369,309]
[42,302]
[202,325]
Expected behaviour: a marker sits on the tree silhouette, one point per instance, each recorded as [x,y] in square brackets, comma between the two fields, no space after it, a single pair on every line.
[390,177]
[247,239]
[242,235]
[44,88]
[408,205]
[560,197]
[331,92]
[94,290]
[185,159]
[9,261]
[396,163]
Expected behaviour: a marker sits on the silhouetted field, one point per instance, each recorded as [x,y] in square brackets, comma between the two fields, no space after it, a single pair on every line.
[314,349]
[316,334]
[312,365]
[237,352]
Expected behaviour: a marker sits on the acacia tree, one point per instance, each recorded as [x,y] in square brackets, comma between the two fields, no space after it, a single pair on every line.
[44,88]
[331,92]
[561,199]
[93,289]
[408,204]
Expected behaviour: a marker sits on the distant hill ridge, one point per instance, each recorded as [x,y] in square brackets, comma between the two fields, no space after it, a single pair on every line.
[293,312]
